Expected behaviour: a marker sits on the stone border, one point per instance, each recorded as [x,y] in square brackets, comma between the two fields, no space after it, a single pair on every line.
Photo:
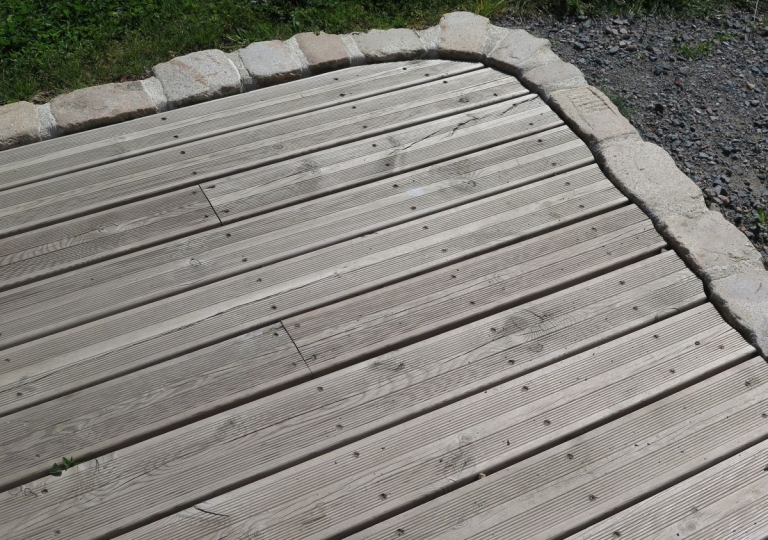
[732,269]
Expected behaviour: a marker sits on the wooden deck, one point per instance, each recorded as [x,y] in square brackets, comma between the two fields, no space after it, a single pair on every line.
[396,300]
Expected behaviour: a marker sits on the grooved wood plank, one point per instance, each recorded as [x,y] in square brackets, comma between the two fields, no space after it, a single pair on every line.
[293,181]
[101,418]
[192,463]
[171,128]
[725,501]
[103,235]
[132,280]
[389,317]
[61,363]
[550,495]
[105,415]
[67,196]
[332,494]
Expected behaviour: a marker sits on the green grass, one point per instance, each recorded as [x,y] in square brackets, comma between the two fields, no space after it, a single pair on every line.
[48,47]
[66,463]
[693,52]
[723,37]
[761,215]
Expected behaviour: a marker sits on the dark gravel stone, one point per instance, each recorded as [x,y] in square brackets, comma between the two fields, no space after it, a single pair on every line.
[706,111]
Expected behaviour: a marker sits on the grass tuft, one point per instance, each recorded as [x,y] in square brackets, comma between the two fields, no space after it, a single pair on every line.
[694,52]
[66,463]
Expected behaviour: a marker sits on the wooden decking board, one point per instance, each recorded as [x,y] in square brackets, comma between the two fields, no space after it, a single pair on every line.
[449,184]
[548,495]
[389,301]
[285,428]
[103,235]
[299,179]
[62,363]
[409,310]
[332,494]
[131,408]
[104,415]
[129,139]
[725,501]
[65,197]
[59,303]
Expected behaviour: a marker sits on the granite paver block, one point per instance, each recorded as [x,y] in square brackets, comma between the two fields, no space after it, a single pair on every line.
[323,52]
[591,115]
[19,125]
[197,77]
[390,45]
[101,105]
[270,62]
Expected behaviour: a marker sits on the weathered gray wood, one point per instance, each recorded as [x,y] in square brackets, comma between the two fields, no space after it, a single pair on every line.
[60,303]
[189,464]
[101,418]
[105,416]
[68,196]
[725,501]
[330,495]
[61,363]
[128,139]
[549,495]
[405,312]
[294,181]
[103,235]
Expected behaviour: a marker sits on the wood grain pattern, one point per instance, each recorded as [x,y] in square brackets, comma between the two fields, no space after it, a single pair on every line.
[293,181]
[103,235]
[391,301]
[550,495]
[63,302]
[61,363]
[189,464]
[108,416]
[68,196]
[428,304]
[330,495]
[95,147]
[727,500]
[103,417]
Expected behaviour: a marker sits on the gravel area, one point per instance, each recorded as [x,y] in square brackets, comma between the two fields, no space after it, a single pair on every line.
[698,88]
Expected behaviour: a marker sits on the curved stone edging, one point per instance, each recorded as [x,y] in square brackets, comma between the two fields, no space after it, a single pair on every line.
[730,266]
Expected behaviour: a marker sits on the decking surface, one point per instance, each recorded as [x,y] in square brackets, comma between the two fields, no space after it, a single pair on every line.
[397,300]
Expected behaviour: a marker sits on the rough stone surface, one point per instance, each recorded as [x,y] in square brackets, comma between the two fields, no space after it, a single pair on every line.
[591,115]
[430,39]
[742,298]
[356,57]
[649,177]
[154,88]
[270,62]
[101,105]
[18,125]
[246,79]
[323,52]
[551,77]
[298,56]
[462,36]
[390,45]
[494,35]
[48,127]
[197,77]
[519,50]
[711,246]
